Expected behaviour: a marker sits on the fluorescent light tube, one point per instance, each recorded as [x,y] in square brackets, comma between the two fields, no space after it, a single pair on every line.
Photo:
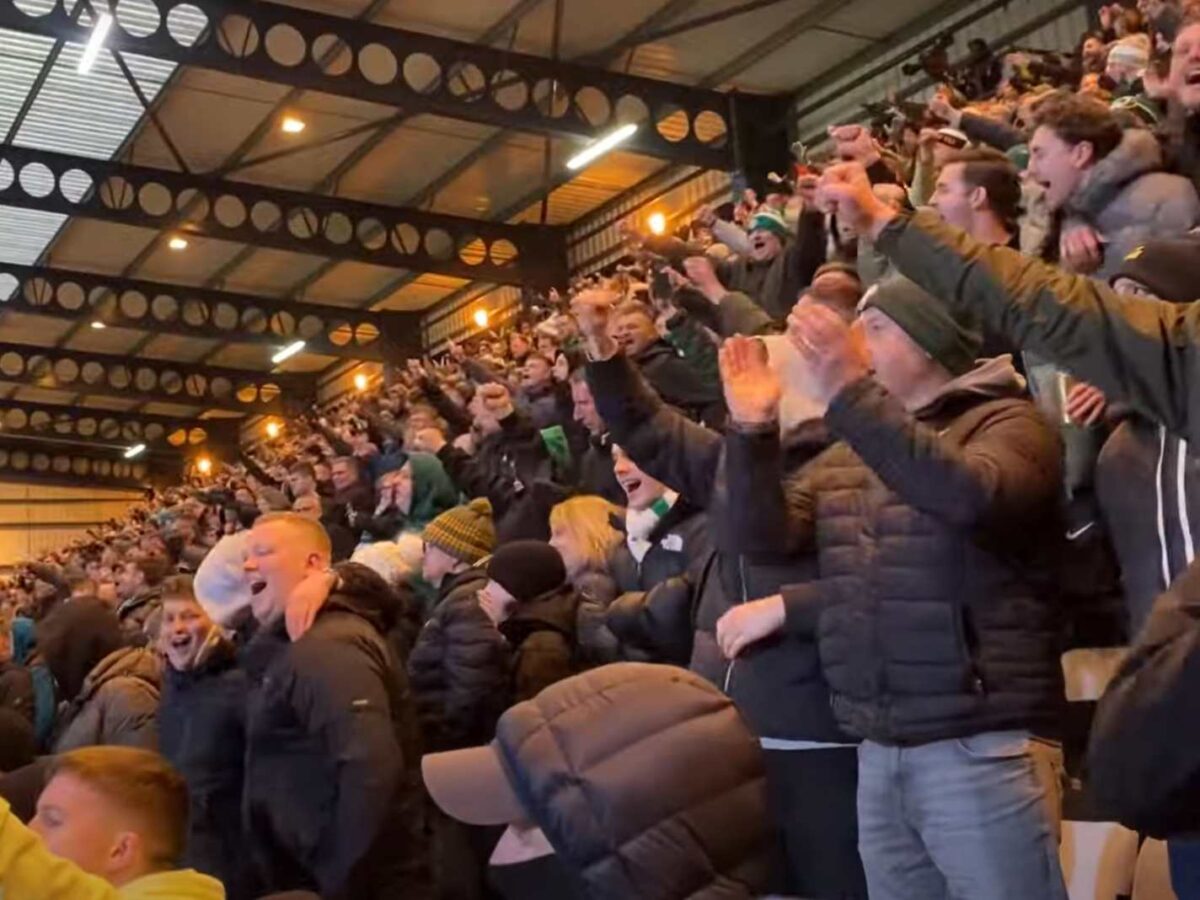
[599,148]
[287,352]
[100,30]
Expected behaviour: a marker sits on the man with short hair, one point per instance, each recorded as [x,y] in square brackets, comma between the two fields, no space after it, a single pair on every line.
[139,589]
[1106,186]
[595,463]
[302,480]
[672,377]
[110,824]
[979,191]
[927,522]
[331,760]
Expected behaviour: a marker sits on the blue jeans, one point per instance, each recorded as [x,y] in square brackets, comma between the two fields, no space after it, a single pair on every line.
[963,819]
[1184,854]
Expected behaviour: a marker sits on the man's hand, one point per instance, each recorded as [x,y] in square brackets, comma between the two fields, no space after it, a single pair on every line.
[855,144]
[705,217]
[942,109]
[1085,404]
[845,190]
[457,353]
[752,388]
[702,274]
[592,310]
[1081,249]
[429,440]
[306,601]
[748,623]
[827,348]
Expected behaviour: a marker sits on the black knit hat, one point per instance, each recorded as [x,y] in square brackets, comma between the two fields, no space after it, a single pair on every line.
[527,569]
[1166,267]
[949,341]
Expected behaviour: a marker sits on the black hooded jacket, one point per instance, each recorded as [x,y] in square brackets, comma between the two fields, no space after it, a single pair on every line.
[73,639]
[333,796]
[202,733]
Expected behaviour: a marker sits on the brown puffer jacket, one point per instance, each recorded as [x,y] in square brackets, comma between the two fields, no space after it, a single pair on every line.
[647,783]
[931,612]
[118,704]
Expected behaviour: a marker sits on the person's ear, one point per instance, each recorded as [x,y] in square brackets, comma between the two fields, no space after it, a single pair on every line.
[1083,154]
[125,851]
[978,198]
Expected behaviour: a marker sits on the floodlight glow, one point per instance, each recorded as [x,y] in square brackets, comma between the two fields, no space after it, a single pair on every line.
[135,450]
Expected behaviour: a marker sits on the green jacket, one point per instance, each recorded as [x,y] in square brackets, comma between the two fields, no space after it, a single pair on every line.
[1136,349]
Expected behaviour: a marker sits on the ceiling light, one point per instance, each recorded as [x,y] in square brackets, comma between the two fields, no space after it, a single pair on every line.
[292,125]
[657,223]
[135,450]
[481,318]
[599,148]
[204,465]
[100,31]
[273,430]
[177,243]
[287,352]
[360,381]
[99,326]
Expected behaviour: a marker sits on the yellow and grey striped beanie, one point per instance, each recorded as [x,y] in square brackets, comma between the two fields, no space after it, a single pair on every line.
[465,532]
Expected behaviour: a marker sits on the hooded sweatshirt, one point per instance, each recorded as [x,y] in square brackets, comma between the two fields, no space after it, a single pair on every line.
[432,491]
[29,870]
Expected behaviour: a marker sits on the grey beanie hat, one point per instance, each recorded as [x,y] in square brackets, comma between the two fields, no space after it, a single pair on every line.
[949,340]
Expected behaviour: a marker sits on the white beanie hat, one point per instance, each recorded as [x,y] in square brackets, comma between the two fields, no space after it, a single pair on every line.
[220,583]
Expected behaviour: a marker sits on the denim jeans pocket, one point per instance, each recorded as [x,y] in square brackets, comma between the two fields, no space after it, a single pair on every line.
[995,745]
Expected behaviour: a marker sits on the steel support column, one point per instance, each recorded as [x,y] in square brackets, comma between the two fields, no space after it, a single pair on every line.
[161,308]
[251,214]
[286,45]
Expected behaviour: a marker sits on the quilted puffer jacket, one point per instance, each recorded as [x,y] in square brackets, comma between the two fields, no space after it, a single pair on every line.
[646,782]
[932,616]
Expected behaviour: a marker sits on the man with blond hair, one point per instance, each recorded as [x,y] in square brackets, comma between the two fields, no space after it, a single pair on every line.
[332,787]
[110,824]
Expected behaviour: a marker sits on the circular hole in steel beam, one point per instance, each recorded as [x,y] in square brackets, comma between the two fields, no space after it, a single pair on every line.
[285,45]
[710,129]
[422,73]
[331,54]
[237,36]
[230,211]
[509,90]
[117,193]
[592,106]
[155,199]
[76,185]
[378,64]
[70,296]
[185,23]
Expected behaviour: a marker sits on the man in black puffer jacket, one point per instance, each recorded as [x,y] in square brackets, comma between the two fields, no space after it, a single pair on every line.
[811,763]
[459,675]
[927,521]
[332,800]
[628,782]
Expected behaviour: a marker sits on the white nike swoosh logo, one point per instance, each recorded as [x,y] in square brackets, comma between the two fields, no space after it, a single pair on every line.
[1072,535]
